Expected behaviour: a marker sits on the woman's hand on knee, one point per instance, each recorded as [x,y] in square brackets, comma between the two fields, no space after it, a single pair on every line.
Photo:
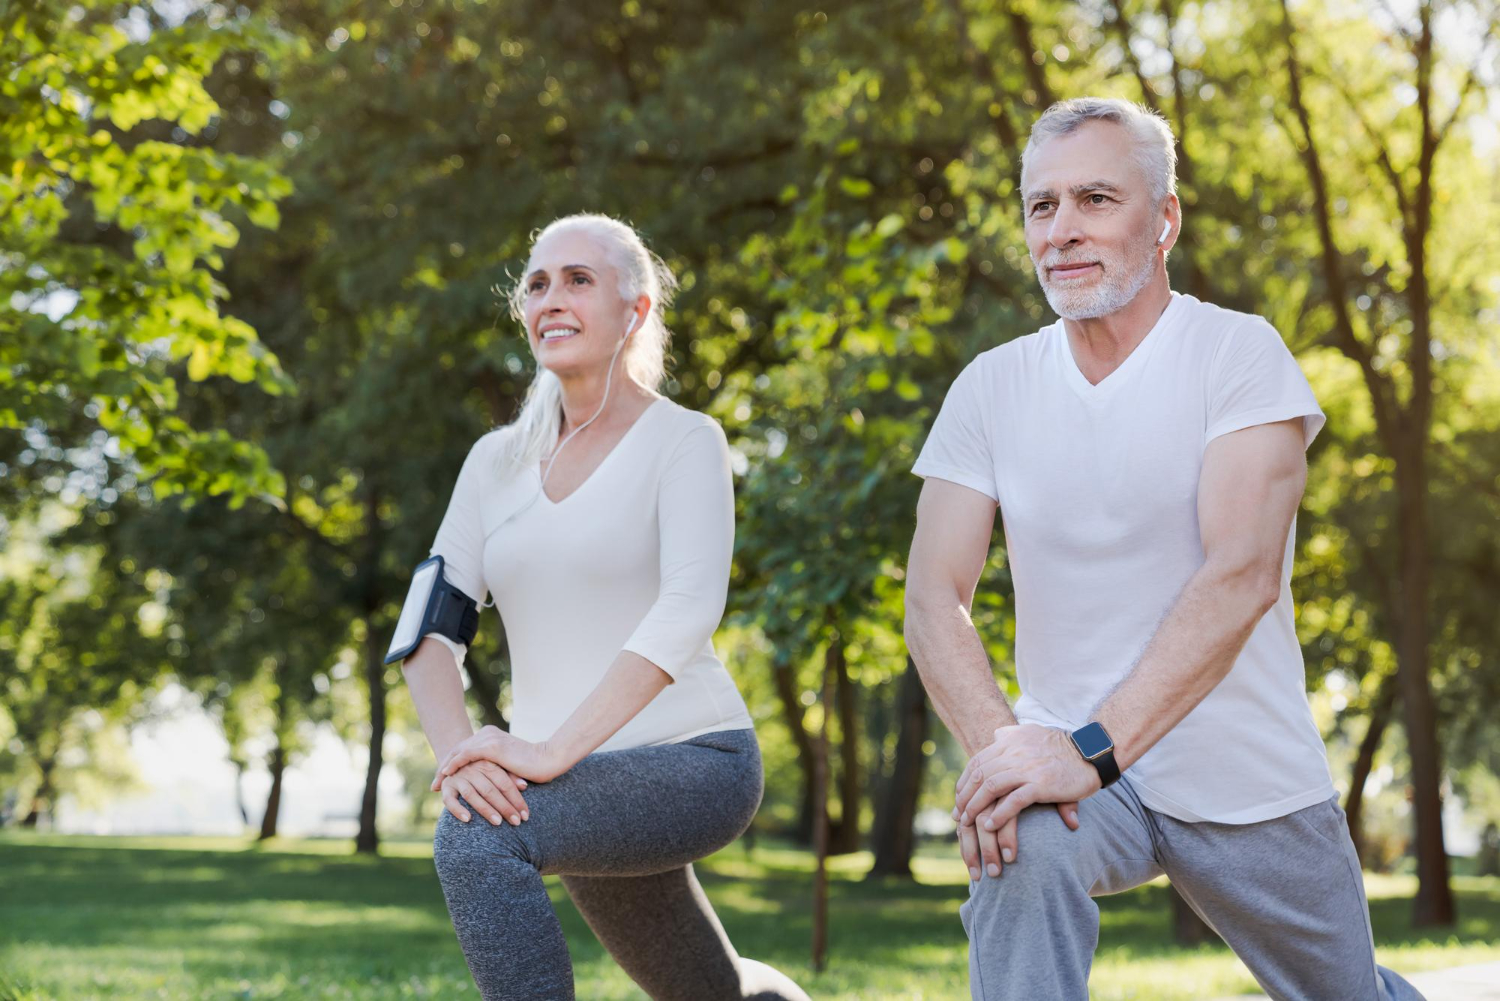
[518,757]
[487,788]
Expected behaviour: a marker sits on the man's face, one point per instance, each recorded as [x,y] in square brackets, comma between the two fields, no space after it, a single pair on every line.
[1089,221]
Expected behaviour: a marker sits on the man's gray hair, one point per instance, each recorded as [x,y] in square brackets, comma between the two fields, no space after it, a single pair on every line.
[1152,146]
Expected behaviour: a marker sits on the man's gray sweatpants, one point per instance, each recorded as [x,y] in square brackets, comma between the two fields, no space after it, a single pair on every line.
[1285,894]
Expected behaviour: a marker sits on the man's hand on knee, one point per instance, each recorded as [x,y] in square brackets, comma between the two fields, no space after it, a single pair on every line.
[989,848]
[1025,764]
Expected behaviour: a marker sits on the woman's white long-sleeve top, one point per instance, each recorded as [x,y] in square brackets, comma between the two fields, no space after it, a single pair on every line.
[636,558]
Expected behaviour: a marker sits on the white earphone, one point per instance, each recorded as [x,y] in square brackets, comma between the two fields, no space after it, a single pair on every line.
[634,319]
[1166,228]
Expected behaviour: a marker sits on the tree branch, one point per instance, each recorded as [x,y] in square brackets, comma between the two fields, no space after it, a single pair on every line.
[1036,72]
[984,72]
[1470,80]
[1123,26]
[1382,149]
[1381,393]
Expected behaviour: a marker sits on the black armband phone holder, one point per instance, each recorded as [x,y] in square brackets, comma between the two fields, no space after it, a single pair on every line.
[433,606]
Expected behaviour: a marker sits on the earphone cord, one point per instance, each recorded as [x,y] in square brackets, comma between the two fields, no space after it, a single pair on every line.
[608,378]
[546,472]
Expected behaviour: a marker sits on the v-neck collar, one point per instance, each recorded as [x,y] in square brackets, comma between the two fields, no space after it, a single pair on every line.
[1106,386]
[639,420]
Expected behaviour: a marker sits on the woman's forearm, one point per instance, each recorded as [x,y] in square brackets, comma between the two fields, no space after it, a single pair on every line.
[437,691]
[627,687]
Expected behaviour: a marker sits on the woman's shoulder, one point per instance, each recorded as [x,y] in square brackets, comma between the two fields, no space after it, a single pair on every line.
[677,422]
[490,444]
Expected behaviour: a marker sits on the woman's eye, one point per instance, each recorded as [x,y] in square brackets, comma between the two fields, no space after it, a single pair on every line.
[581,279]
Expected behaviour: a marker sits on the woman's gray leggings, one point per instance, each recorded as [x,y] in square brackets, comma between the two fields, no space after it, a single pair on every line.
[622,828]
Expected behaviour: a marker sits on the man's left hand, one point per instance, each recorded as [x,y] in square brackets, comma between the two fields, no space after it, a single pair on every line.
[1025,764]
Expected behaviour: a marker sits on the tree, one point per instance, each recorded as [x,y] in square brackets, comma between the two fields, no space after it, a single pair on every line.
[110,235]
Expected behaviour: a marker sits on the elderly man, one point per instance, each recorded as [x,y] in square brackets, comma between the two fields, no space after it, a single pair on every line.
[1147,456]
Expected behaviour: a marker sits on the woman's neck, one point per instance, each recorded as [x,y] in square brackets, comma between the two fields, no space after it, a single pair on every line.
[582,394]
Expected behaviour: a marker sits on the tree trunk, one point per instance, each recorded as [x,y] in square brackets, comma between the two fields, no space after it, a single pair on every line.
[786,689]
[1434,901]
[273,801]
[1404,430]
[1364,761]
[368,840]
[894,836]
[821,829]
[42,799]
[844,838]
[239,789]
[1187,927]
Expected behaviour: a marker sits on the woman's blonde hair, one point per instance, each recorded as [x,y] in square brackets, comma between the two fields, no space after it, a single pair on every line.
[638,272]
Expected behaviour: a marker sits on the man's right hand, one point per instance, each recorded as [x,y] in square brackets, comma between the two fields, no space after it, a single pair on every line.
[991,850]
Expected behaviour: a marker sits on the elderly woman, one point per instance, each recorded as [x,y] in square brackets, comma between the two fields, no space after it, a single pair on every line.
[602,522]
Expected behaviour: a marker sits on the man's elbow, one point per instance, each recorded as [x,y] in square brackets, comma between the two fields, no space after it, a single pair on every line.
[1254,586]
[923,607]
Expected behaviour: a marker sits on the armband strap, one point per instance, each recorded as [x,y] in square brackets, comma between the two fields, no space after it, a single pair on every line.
[433,605]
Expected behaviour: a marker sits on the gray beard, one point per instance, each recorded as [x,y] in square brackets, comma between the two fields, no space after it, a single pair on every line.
[1113,294]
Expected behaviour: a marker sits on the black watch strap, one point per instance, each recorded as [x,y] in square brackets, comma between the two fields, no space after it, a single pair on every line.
[1098,750]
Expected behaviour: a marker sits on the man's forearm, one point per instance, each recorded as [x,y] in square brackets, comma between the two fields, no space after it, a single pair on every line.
[1192,650]
[956,671]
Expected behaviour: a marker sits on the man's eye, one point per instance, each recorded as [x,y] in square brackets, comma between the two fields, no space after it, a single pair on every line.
[1098,199]
[1039,206]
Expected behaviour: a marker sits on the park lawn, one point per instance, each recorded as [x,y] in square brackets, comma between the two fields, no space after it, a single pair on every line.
[200,918]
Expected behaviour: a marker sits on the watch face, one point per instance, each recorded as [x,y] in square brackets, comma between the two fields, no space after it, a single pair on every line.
[1092,740]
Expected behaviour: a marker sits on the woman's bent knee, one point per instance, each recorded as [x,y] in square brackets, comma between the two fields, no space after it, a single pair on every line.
[460,849]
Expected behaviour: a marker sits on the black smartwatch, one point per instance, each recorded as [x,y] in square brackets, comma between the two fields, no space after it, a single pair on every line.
[1098,750]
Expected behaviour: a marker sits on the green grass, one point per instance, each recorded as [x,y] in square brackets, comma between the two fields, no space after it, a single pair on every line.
[197,918]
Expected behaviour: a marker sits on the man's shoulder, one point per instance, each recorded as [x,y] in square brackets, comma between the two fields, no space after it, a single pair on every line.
[1218,323]
[1021,351]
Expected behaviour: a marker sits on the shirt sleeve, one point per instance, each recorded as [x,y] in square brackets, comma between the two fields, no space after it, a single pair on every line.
[958,447]
[460,536]
[695,522]
[1255,380]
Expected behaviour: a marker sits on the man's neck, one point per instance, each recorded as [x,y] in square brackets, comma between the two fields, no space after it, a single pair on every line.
[1101,343]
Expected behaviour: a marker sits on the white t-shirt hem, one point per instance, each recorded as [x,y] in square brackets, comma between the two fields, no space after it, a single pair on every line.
[1312,421]
[1249,815]
[953,474]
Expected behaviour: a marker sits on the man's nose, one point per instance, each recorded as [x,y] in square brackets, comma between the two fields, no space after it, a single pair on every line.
[1066,227]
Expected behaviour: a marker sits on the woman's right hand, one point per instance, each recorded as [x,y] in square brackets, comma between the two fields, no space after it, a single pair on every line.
[489,789]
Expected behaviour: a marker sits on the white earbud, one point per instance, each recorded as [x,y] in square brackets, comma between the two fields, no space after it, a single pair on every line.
[1166,228]
[634,319]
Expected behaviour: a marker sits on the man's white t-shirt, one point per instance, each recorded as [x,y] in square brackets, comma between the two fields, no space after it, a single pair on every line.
[1098,487]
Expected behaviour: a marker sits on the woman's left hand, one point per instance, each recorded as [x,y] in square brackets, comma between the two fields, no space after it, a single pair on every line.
[533,762]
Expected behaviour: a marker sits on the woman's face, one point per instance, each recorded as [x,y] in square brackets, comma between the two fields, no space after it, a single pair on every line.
[574,314]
